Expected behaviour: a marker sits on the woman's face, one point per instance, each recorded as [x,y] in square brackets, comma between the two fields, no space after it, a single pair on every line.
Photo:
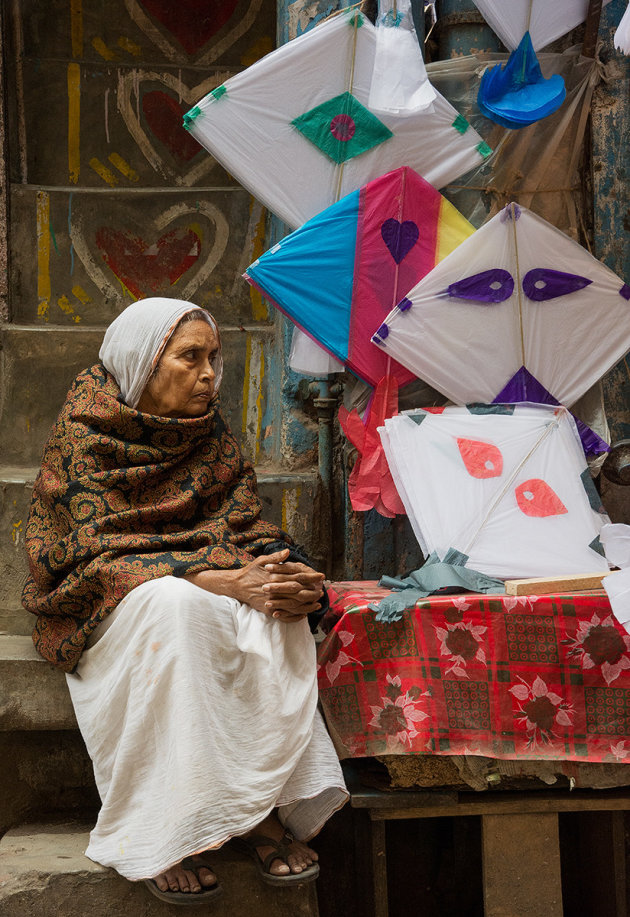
[183,383]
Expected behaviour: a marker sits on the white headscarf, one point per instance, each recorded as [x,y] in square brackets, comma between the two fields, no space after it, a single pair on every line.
[135,340]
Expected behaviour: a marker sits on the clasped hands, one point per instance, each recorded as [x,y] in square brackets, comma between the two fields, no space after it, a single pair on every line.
[278,588]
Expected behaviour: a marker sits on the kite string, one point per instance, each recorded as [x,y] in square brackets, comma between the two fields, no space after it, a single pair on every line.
[518,285]
[349,90]
[551,426]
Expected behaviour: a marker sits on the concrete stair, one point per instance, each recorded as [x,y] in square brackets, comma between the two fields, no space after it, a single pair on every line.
[44,873]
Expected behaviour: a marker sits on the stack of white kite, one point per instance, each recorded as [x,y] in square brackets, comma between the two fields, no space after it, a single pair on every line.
[506,486]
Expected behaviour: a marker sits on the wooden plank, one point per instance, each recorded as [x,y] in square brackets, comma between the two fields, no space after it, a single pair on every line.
[501,804]
[375,799]
[379,870]
[544,585]
[521,865]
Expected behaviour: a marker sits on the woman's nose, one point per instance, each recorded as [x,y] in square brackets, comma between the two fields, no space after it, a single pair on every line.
[208,370]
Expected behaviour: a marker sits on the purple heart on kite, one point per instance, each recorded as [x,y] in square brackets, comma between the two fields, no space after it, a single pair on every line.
[400,238]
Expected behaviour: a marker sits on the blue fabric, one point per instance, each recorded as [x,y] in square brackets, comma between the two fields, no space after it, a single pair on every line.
[517,94]
[309,275]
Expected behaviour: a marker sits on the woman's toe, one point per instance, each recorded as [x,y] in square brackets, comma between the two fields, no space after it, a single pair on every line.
[206,877]
[189,882]
[161,882]
[296,864]
[279,868]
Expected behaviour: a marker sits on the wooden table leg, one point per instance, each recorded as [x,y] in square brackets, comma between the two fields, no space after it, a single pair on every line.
[521,865]
[379,869]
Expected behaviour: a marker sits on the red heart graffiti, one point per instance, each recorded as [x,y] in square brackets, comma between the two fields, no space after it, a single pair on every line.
[536,498]
[146,268]
[164,115]
[482,460]
[192,22]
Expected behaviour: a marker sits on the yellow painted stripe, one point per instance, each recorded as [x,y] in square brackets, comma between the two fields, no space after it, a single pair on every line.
[127,45]
[76,27]
[101,48]
[248,360]
[452,229]
[260,47]
[252,396]
[80,294]
[106,174]
[259,400]
[260,313]
[123,166]
[43,254]
[74,116]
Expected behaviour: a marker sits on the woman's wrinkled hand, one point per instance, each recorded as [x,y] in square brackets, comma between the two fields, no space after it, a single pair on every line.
[284,591]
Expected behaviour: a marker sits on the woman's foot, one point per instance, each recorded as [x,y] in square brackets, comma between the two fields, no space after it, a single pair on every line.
[185,880]
[299,856]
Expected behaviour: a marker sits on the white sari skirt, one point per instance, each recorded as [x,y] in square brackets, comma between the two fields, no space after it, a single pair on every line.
[200,716]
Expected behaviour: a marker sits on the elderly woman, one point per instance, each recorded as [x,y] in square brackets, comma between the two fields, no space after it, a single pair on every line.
[179,616]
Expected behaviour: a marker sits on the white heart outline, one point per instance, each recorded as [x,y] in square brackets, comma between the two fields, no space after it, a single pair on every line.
[153,32]
[128,85]
[221,236]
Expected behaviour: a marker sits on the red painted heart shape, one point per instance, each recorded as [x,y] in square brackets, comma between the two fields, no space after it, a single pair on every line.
[164,115]
[191,22]
[482,460]
[148,268]
[536,498]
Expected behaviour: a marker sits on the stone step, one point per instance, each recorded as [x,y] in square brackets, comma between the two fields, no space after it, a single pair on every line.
[288,499]
[44,873]
[37,365]
[45,775]
[33,693]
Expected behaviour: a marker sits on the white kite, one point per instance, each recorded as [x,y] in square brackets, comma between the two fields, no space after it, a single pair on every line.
[545,20]
[517,311]
[503,488]
[622,33]
[306,125]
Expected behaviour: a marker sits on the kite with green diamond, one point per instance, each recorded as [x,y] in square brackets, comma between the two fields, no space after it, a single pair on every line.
[307,124]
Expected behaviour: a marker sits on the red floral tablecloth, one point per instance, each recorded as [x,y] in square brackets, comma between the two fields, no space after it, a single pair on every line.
[500,676]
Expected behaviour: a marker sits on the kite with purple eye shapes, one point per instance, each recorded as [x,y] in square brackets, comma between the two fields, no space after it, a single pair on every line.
[497,285]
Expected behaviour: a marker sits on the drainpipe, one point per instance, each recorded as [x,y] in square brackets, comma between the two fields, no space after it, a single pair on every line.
[325,400]
[462,30]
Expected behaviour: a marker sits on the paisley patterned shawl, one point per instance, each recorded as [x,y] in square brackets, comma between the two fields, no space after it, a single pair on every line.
[123,497]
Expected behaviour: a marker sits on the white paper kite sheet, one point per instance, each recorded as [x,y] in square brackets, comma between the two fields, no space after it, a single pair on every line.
[622,33]
[506,486]
[548,19]
[515,311]
[296,129]
[399,78]
[616,541]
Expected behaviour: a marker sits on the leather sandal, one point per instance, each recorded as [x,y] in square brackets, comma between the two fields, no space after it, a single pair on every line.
[281,851]
[206,894]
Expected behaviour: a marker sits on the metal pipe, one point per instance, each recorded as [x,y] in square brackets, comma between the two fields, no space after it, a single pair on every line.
[462,30]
